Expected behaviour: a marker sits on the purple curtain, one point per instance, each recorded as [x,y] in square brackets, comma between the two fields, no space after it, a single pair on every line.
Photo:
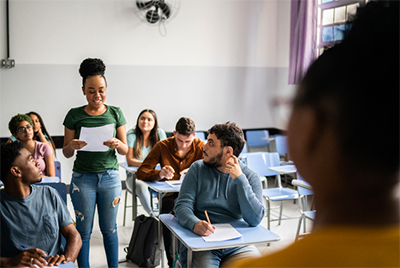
[303,35]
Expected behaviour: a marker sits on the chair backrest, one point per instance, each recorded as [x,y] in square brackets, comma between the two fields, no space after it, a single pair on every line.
[59,186]
[200,135]
[257,138]
[244,151]
[261,161]
[57,166]
[281,144]
[303,194]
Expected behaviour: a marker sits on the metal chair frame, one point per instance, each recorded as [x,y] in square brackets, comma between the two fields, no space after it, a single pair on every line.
[306,214]
[260,162]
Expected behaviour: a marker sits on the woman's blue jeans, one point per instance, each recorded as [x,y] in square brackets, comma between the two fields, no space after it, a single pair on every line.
[103,189]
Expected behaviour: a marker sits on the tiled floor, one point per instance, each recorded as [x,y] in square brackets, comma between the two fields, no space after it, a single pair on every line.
[286,231]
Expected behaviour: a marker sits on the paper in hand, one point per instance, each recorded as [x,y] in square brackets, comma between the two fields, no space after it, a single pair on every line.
[95,137]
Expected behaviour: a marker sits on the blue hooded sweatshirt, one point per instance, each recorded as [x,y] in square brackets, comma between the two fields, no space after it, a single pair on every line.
[225,199]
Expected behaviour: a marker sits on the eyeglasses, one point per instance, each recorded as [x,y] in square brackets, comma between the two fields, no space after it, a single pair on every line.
[23,129]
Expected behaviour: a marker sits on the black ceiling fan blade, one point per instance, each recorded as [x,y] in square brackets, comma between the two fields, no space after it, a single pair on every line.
[144,5]
[165,9]
[152,16]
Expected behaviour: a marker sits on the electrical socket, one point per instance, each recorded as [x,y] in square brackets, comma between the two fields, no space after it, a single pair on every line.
[7,63]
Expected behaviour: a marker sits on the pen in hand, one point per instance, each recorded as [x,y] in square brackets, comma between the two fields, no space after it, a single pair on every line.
[208,219]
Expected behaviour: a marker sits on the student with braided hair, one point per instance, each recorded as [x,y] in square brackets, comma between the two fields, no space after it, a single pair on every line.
[95,176]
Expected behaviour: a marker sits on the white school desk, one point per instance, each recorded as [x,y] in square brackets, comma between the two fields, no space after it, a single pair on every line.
[287,169]
[162,188]
[301,183]
[133,170]
[194,242]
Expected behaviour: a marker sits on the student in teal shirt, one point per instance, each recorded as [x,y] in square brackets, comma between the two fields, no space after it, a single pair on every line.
[141,140]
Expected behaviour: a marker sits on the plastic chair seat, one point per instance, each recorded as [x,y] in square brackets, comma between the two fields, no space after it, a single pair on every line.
[280,194]
[260,162]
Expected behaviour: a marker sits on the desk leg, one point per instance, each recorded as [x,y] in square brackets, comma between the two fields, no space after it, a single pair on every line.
[160,229]
[189,258]
[174,247]
[134,200]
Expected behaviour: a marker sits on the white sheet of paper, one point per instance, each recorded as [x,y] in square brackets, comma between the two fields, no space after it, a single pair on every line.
[174,183]
[222,232]
[95,136]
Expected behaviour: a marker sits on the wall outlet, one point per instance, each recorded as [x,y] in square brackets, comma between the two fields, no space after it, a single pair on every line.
[7,63]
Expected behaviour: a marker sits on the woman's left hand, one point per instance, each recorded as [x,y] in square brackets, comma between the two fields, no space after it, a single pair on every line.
[113,143]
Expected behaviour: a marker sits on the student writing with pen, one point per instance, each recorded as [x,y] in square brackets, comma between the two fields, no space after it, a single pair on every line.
[219,189]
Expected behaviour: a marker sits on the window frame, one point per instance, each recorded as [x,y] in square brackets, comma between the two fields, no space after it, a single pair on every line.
[322,46]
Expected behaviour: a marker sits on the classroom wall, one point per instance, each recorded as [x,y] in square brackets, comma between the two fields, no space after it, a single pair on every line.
[220,61]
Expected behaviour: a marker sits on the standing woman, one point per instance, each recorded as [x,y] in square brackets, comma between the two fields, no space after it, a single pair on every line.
[141,140]
[95,176]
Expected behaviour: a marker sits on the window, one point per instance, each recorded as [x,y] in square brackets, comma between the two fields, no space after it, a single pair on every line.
[332,17]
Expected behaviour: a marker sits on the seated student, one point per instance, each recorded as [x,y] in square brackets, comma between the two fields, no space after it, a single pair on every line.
[348,100]
[32,217]
[39,131]
[20,127]
[224,187]
[175,155]
[141,139]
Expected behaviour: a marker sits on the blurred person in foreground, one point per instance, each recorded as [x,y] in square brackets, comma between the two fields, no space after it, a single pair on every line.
[348,100]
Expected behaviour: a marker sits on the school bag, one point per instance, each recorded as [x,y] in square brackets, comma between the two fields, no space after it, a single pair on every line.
[143,248]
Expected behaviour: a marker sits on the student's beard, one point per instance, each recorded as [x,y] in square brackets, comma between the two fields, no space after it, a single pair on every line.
[214,161]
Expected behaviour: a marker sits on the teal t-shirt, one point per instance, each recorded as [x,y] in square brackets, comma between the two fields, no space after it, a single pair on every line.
[94,162]
[131,139]
[33,222]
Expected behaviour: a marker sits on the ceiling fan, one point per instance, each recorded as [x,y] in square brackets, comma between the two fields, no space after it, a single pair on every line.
[154,11]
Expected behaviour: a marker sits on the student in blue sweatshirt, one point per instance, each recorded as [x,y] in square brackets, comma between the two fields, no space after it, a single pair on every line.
[224,187]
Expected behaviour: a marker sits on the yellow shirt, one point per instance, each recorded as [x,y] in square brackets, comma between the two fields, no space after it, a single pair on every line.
[337,247]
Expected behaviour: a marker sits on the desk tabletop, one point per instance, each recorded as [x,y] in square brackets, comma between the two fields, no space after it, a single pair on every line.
[287,169]
[162,187]
[301,183]
[128,168]
[194,242]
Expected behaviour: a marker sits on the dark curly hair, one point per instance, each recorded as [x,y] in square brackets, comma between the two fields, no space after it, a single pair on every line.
[185,126]
[229,134]
[9,152]
[92,67]
[15,120]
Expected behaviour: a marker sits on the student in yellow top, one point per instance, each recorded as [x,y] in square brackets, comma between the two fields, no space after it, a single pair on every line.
[348,101]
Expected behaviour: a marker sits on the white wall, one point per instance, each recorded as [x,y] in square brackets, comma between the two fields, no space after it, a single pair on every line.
[221,60]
